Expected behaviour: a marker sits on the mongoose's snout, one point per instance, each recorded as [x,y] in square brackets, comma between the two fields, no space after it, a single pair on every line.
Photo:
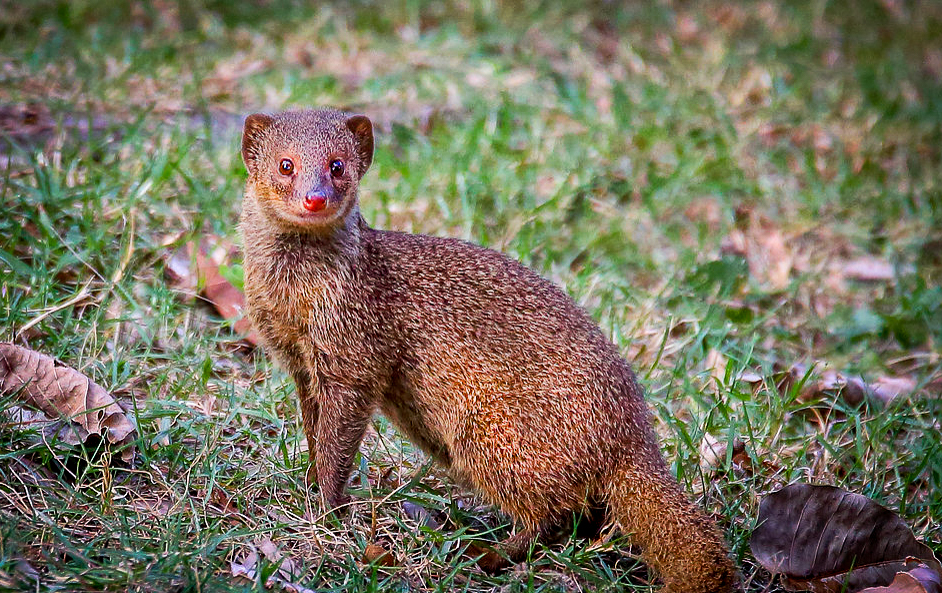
[316,200]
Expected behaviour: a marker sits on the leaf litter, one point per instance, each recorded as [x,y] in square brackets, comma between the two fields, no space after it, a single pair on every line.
[196,267]
[74,406]
[826,539]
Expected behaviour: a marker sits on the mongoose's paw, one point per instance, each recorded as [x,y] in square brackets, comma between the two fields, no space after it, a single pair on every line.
[491,562]
[338,506]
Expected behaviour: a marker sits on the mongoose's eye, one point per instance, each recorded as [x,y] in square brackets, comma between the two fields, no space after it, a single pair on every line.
[286,167]
[336,168]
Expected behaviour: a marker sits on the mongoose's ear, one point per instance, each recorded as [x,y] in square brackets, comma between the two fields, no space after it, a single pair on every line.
[362,129]
[255,124]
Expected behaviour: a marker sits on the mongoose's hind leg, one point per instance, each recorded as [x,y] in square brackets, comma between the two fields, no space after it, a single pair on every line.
[517,547]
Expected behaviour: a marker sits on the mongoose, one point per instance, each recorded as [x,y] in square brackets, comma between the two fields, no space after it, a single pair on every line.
[493,371]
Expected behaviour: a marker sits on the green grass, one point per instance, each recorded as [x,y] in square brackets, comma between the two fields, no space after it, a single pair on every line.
[614,149]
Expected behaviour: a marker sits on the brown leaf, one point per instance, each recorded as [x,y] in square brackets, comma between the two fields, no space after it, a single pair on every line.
[191,269]
[716,362]
[377,554]
[713,453]
[852,390]
[870,269]
[286,567]
[247,568]
[921,579]
[60,391]
[762,243]
[223,501]
[825,539]
[886,389]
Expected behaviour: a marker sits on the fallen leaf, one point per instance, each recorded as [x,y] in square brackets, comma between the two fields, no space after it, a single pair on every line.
[286,567]
[750,377]
[223,501]
[378,555]
[421,515]
[868,269]
[715,362]
[713,453]
[887,389]
[825,539]
[60,392]
[192,268]
[247,568]
[763,244]
[852,390]
[921,579]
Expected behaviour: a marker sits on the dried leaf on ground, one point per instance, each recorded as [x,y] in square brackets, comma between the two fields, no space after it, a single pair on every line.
[921,579]
[193,268]
[246,567]
[825,539]
[854,390]
[832,384]
[713,451]
[716,363]
[871,269]
[63,392]
[887,389]
[763,245]
[378,555]
[421,515]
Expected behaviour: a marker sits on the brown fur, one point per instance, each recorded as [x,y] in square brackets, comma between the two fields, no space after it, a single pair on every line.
[489,368]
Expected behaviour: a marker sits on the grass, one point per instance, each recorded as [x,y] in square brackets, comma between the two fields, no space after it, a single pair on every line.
[620,151]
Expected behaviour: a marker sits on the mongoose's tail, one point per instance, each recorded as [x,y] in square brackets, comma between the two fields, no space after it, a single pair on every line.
[676,538]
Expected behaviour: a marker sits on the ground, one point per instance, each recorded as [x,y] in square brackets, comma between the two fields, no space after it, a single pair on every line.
[730,188]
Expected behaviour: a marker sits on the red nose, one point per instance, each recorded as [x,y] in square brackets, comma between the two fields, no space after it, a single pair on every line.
[315,202]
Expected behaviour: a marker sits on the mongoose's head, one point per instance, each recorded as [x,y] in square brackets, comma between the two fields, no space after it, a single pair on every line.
[305,166]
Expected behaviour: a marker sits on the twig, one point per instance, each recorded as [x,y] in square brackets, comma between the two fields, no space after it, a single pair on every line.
[80,296]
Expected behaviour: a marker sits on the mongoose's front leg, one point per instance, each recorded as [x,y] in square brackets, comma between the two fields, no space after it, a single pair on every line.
[309,414]
[344,416]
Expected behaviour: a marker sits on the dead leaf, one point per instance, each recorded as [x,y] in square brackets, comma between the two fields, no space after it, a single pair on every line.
[825,539]
[378,555]
[60,391]
[852,390]
[713,453]
[921,579]
[247,568]
[762,243]
[421,515]
[286,566]
[868,269]
[887,389]
[223,501]
[191,269]
[716,362]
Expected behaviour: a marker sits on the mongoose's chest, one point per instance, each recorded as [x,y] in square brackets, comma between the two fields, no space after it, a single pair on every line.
[297,318]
